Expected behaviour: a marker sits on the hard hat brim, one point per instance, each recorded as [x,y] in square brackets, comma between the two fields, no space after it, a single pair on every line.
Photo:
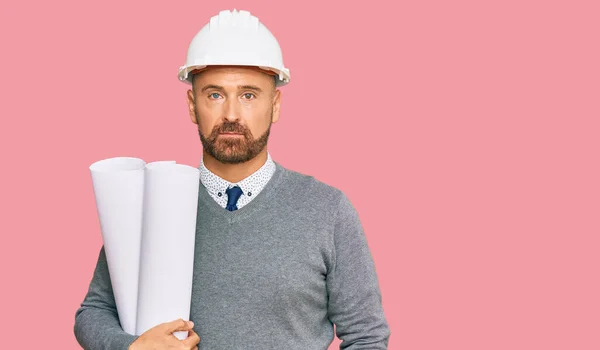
[186,73]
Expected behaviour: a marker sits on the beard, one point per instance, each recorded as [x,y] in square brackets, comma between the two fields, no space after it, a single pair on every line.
[233,150]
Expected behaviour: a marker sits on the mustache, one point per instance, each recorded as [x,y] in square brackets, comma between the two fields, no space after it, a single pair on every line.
[230,127]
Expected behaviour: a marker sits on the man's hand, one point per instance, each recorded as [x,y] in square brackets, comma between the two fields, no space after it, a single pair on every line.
[161,337]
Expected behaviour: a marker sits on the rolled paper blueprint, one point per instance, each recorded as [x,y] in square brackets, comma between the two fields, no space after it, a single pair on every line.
[118,189]
[149,165]
[167,250]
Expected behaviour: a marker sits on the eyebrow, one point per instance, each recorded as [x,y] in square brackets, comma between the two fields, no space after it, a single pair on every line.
[240,87]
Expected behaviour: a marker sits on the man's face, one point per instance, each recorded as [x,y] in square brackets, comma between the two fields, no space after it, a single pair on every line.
[234,108]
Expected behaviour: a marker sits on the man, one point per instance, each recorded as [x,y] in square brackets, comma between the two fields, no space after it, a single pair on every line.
[280,256]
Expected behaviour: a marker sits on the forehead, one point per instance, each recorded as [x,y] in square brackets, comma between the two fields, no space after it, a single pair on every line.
[224,75]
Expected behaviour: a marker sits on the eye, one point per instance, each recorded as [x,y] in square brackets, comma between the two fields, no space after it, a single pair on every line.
[248,96]
[214,95]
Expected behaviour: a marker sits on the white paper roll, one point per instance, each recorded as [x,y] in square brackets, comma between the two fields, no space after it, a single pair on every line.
[119,192]
[167,250]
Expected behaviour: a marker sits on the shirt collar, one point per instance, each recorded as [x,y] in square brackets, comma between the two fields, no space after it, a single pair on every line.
[253,184]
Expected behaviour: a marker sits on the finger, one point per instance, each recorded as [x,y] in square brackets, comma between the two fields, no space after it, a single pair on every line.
[178,326]
[192,339]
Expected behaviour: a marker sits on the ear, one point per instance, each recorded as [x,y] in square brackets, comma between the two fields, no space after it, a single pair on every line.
[192,106]
[276,105]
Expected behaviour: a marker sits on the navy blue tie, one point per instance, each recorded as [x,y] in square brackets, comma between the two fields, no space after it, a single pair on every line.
[233,194]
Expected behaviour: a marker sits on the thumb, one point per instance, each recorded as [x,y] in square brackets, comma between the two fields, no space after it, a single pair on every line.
[178,326]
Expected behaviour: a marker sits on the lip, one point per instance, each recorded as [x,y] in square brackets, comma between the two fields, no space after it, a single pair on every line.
[230,134]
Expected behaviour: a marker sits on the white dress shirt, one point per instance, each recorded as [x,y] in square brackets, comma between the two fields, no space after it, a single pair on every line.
[251,185]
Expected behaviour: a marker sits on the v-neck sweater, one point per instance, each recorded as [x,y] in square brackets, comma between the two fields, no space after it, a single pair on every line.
[277,273]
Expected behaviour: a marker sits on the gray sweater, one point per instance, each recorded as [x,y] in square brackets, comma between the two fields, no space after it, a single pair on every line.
[274,274]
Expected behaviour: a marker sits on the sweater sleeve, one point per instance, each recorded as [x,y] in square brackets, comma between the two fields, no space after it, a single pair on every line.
[355,302]
[97,325]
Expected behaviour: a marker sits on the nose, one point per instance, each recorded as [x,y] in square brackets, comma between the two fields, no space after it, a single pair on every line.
[231,111]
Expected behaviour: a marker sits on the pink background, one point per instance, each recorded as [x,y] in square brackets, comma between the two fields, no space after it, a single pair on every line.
[466,134]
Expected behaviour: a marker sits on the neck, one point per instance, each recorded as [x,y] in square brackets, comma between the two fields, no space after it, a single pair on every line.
[234,172]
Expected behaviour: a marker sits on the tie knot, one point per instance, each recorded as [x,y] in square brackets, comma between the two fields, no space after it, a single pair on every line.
[233,194]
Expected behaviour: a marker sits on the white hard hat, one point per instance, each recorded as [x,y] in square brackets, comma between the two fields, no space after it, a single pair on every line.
[235,38]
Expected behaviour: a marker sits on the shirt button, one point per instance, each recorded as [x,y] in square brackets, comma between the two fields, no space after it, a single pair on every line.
[219,194]
[249,193]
